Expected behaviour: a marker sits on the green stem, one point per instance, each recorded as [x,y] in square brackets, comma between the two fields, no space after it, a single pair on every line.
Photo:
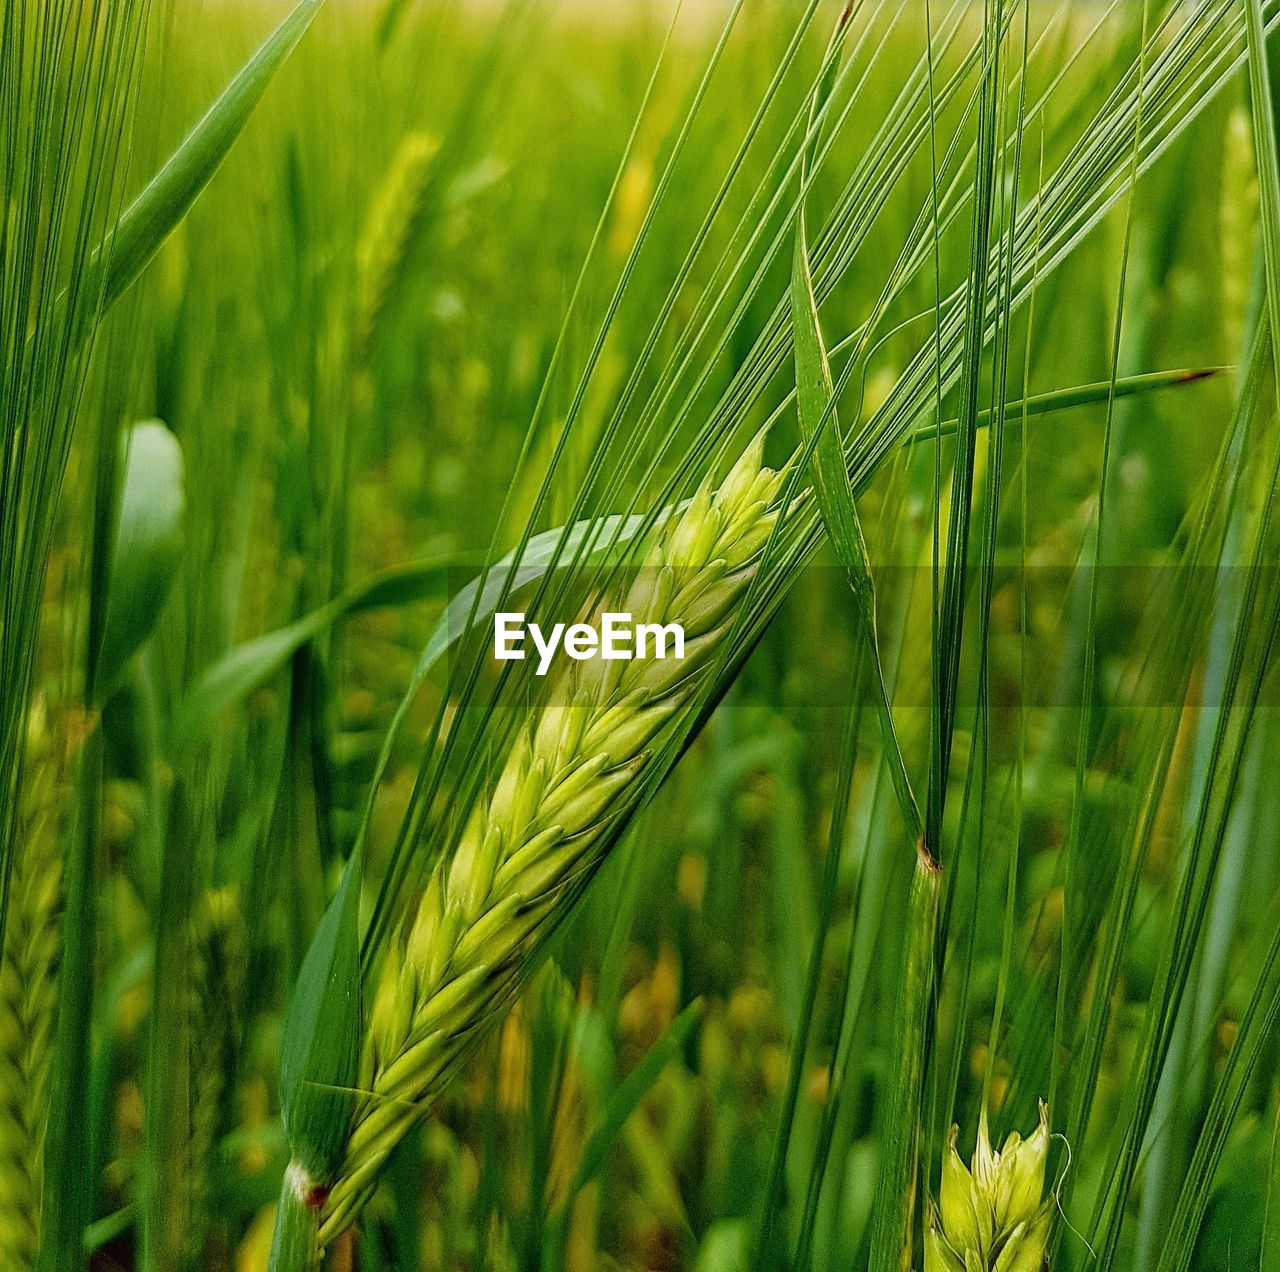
[894,1214]
[1271,1217]
[894,759]
[766,1250]
[296,1244]
[165,1216]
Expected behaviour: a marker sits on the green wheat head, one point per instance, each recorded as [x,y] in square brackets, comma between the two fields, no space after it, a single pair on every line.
[28,999]
[992,1215]
[541,828]
[395,212]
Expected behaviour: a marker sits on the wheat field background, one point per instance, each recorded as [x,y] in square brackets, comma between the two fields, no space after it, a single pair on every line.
[919,356]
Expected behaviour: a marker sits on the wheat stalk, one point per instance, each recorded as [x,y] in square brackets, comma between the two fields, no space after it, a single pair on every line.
[541,829]
[28,1000]
[1237,220]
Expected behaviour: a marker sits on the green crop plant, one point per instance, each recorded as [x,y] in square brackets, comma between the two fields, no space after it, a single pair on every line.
[541,833]
[918,359]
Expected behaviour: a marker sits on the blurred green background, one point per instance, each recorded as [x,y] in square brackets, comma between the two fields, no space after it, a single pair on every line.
[348,337]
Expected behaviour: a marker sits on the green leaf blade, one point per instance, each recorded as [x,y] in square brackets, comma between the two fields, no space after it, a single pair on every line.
[148,545]
[320,1059]
[167,198]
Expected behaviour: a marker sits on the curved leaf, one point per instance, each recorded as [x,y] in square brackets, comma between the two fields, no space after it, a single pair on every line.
[246,667]
[147,547]
[152,216]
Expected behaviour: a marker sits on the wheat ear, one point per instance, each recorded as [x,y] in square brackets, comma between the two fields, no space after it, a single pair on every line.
[28,1003]
[393,215]
[541,829]
[992,1216]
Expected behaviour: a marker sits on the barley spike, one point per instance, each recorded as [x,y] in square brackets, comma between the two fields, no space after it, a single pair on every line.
[541,829]
[28,1000]
[992,1216]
